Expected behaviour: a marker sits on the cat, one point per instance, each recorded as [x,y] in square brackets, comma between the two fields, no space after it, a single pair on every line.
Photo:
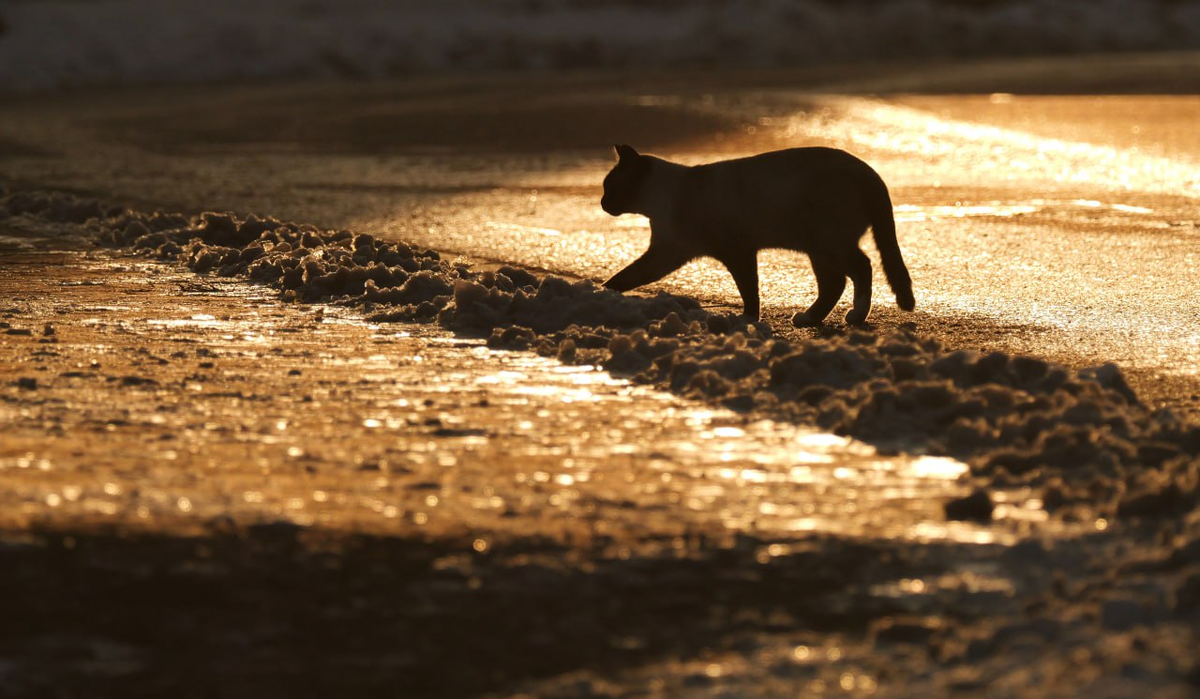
[819,201]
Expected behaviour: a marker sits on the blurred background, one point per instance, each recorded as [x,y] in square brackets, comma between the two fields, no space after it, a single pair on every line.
[57,43]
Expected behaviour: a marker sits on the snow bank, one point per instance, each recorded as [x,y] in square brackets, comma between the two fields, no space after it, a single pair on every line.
[1081,438]
[64,42]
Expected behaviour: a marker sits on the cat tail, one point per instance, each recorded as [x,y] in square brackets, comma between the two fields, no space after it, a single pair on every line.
[883,227]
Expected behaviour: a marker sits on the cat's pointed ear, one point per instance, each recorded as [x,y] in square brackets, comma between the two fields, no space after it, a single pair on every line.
[625,152]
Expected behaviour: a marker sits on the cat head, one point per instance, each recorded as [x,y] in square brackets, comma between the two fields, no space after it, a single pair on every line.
[623,184]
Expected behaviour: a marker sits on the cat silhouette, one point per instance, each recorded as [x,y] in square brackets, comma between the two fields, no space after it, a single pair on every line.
[819,201]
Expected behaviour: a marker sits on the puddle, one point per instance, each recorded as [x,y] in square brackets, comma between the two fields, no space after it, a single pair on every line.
[587,429]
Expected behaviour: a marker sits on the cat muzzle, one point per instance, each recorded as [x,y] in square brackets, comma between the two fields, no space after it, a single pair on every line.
[609,207]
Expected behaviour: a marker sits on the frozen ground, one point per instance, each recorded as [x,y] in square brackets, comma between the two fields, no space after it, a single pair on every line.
[770,561]
[571,533]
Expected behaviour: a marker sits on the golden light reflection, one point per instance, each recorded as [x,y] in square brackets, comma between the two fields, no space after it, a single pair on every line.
[493,226]
[746,475]
[103,508]
[909,213]
[803,524]
[199,320]
[801,475]
[823,440]
[989,150]
[937,467]
[572,438]
[1125,208]
[934,531]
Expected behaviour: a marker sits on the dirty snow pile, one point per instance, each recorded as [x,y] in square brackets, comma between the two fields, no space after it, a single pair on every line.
[1080,438]
[53,43]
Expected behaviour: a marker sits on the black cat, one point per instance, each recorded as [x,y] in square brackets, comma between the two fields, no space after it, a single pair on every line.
[819,201]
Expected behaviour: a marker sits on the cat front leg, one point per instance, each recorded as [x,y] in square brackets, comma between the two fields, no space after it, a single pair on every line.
[653,265]
[744,269]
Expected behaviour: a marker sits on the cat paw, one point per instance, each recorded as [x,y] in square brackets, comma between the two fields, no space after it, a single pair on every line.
[803,320]
[857,316]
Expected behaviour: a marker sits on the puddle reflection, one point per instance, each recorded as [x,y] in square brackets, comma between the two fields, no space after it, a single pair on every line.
[404,425]
[749,474]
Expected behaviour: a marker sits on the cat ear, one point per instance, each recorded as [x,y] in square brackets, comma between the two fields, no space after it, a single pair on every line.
[625,152]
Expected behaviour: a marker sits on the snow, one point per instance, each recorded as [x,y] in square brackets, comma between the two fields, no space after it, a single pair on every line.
[1081,438]
[54,43]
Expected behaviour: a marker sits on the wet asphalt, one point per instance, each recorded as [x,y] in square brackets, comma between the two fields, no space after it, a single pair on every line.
[1038,212]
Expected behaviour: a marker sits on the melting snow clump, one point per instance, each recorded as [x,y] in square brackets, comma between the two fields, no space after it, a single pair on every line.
[1080,438]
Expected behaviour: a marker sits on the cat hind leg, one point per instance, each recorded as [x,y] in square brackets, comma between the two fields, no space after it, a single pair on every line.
[831,282]
[860,274]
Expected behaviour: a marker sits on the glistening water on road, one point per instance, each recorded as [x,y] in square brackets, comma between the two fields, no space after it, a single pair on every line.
[208,488]
[261,411]
[1076,237]
[343,490]
[1059,225]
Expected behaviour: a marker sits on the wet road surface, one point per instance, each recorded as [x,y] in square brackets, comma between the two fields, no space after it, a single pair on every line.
[1062,226]
[194,469]
[259,409]
[387,517]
